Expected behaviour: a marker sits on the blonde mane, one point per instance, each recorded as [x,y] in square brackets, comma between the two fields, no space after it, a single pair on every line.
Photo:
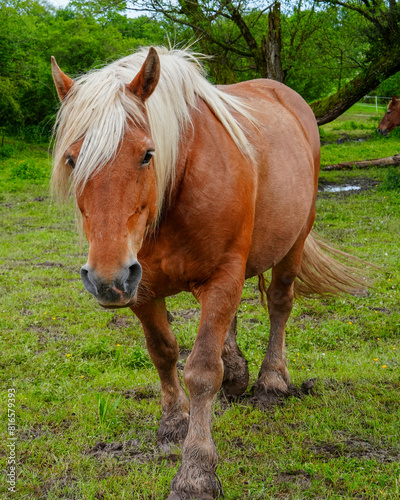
[98,108]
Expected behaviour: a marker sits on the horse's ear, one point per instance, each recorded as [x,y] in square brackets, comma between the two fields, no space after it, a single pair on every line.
[394,98]
[62,82]
[146,80]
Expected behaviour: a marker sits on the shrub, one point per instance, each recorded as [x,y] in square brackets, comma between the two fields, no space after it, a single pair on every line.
[27,171]
[6,152]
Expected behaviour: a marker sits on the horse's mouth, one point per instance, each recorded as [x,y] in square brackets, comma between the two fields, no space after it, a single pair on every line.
[119,306]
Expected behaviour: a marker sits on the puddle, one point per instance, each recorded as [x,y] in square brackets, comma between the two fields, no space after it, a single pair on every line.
[338,189]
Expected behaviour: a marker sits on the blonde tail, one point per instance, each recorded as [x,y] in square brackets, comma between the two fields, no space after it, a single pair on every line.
[322,273]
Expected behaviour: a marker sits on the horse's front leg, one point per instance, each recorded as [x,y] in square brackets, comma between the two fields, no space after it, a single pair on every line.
[203,376]
[164,352]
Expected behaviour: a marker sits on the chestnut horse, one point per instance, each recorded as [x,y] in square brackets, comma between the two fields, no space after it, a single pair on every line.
[391,119]
[184,186]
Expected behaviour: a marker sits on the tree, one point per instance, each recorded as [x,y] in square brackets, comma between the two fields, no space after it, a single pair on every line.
[233,27]
[32,32]
[382,59]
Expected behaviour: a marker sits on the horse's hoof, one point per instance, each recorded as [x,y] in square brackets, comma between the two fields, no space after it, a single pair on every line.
[188,496]
[271,388]
[173,430]
[236,378]
[191,496]
[194,483]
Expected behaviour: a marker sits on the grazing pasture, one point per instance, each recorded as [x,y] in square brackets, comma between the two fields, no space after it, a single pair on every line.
[87,395]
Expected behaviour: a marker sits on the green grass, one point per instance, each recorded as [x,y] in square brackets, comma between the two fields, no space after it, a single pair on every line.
[82,375]
[358,139]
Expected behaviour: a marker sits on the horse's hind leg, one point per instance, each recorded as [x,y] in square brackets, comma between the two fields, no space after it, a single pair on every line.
[164,352]
[236,371]
[274,378]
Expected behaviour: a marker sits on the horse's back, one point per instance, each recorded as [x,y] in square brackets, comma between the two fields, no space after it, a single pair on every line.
[273,101]
[286,141]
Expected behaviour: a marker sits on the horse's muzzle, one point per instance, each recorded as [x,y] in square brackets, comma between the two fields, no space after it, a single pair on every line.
[382,132]
[121,292]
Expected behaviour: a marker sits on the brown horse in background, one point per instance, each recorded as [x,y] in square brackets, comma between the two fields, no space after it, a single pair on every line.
[186,186]
[391,119]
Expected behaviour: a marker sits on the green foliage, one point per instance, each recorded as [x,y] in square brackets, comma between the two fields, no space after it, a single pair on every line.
[28,171]
[32,32]
[30,133]
[322,49]
[137,358]
[6,151]
[105,408]
[390,86]
[9,106]
[391,180]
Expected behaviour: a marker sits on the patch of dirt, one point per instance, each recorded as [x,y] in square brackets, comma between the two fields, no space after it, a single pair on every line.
[306,317]
[33,433]
[172,458]
[252,300]
[183,315]
[346,138]
[298,477]
[183,355]
[59,483]
[364,183]
[125,449]
[26,312]
[44,334]
[254,321]
[355,447]
[239,444]
[49,264]
[380,309]
[61,426]
[139,394]
[118,321]
[336,385]
[132,450]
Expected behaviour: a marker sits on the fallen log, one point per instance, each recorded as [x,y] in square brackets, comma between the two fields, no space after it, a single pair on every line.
[379,162]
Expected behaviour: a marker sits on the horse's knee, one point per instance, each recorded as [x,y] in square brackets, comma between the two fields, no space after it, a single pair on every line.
[203,374]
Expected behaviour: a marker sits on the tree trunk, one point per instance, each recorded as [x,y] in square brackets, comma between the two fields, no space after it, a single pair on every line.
[333,106]
[272,46]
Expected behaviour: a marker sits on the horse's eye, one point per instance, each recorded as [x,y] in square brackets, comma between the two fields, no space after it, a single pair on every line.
[70,161]
[147,158]
[388,111]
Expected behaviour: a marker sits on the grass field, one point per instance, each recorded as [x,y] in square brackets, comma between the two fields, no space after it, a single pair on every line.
[87,396]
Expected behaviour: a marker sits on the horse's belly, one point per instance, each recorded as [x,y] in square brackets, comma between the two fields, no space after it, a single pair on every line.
[284,207]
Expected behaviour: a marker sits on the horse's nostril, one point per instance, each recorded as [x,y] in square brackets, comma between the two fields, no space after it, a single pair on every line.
[89,284]
[134,277]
